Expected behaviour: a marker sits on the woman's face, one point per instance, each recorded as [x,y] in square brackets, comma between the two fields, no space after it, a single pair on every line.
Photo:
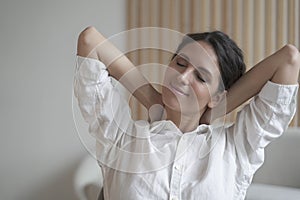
[192,79]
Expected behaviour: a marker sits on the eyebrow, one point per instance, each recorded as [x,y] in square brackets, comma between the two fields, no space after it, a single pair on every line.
[207,72]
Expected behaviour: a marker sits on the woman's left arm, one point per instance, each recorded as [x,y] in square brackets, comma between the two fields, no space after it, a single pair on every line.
[274,84]
[282,67]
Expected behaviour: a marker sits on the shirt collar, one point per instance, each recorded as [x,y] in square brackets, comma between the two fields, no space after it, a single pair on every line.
[157,126]
[203,128]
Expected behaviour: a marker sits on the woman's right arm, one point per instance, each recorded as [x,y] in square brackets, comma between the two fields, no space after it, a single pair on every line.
[108,115]
[93,44]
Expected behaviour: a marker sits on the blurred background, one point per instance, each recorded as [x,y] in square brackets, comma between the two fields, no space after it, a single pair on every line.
[39,146]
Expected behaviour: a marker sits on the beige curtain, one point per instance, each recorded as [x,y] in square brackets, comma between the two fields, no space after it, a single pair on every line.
[258,26]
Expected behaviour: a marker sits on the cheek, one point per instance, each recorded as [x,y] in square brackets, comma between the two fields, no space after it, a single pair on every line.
[202,93]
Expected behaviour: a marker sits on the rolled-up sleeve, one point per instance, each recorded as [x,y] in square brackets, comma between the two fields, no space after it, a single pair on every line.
[121,143]
[100,103]
[265,118]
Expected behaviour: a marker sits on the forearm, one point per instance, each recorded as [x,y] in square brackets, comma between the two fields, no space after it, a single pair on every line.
[122,69]
[281,67]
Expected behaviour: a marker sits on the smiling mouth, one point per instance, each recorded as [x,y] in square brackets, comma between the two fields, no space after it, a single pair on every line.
[177,90]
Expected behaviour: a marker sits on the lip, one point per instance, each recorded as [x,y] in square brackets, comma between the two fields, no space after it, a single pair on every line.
[178,90]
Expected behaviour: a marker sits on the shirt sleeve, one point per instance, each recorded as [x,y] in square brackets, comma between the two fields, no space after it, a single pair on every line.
[265,118]
[101,105]
[121,143]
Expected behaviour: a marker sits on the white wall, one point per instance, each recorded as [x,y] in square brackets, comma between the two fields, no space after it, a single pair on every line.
[39,146]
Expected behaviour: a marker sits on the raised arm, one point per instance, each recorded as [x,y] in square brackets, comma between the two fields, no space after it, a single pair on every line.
[282,67]
[93,44]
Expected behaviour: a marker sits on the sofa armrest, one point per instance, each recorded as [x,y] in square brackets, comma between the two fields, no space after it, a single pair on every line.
[88,180]
[282,161]
[272,192]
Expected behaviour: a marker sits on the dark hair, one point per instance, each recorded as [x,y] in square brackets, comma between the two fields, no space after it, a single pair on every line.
[230,56]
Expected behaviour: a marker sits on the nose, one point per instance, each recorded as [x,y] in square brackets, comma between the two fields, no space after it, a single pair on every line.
[186,76]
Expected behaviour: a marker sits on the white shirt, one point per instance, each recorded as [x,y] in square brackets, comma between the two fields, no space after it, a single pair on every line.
[142,160]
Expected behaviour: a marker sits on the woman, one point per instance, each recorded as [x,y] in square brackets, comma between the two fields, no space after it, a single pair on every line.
[175,157]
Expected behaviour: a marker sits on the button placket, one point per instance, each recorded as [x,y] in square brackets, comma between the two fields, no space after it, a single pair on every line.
[177,169]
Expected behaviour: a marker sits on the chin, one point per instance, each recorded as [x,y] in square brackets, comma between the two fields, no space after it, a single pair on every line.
[183,105]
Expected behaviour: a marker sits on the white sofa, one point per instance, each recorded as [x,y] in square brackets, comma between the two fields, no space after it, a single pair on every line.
[277,179]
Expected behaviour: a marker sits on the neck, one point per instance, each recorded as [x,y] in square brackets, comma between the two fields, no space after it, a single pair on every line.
[185,122]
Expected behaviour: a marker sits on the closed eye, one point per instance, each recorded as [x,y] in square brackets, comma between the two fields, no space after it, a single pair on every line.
[180,64]
[200,78]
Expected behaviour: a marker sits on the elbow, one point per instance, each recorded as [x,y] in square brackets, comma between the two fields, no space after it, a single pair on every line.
[289,65]
[85,37]
[87,42]
[292,55]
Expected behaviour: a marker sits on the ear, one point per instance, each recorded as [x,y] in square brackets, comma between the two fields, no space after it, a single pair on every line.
[217,98]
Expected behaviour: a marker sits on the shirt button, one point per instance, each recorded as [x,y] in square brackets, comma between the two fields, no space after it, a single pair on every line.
[178,167]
